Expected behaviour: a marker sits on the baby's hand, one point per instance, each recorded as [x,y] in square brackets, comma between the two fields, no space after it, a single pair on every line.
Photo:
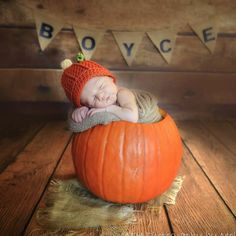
[79,114]
[92,111]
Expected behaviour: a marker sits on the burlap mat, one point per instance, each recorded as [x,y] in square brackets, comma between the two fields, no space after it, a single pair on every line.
[70,209]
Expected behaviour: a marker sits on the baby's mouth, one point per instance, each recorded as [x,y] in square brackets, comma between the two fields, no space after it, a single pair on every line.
[109,97]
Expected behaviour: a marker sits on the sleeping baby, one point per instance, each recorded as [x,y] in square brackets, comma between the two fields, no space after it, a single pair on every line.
[92,88]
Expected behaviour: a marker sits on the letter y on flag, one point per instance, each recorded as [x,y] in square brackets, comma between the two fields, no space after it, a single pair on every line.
[128,43]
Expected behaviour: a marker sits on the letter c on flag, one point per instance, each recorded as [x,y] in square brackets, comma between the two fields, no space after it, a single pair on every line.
[162,45]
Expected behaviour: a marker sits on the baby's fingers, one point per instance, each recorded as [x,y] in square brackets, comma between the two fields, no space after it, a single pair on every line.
[79,119]
[83,113]
[76,117]
[91,112]
[73,116]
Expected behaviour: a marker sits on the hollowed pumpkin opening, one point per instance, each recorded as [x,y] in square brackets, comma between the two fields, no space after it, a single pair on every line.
[163,112]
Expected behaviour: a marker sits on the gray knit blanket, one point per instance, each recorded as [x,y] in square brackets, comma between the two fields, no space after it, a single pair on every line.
[147,107]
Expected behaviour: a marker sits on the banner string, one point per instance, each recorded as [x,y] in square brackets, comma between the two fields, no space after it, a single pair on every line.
[48,25]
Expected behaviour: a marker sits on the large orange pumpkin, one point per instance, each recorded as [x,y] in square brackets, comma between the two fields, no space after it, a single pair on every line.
[128,162]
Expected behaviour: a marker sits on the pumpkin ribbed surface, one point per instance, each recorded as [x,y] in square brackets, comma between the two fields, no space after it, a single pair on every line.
[128,162]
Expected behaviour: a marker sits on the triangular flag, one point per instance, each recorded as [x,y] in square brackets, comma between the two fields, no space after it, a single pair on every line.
[88,40]
[47,28]
[206,30]
[164,40]
[128,43]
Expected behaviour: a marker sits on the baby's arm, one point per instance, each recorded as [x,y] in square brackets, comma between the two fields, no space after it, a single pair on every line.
[128,109]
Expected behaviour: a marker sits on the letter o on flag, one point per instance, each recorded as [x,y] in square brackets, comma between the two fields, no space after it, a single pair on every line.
[88,43]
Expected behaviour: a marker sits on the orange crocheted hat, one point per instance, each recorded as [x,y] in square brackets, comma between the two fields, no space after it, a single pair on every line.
[77,74]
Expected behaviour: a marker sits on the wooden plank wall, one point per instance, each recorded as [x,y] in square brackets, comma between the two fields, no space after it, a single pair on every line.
[196,84]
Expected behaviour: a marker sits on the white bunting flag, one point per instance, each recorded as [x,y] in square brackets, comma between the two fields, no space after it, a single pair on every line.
[206,30]
[47,28]
[164,40]
[88,40]
[128,43]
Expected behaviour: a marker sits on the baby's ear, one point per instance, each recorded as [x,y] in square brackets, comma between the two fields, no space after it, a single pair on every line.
[66,63]
[109,78]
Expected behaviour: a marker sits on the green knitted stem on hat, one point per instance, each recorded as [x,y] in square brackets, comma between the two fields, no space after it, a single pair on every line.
[80,57]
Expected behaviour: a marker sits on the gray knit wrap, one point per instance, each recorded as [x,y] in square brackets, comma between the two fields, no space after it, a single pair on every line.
[147,108]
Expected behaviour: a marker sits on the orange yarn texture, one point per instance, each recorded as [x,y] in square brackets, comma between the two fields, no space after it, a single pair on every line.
[75,77]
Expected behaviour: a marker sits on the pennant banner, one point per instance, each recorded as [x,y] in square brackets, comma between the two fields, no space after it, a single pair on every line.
[164,40]
[128,43]
[88,40]
[47,29]
[207,31]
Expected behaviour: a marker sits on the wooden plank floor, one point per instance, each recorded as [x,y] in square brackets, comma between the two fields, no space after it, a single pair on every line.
[34,152]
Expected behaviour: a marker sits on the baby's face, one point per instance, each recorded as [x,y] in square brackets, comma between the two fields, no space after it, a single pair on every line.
[100,91]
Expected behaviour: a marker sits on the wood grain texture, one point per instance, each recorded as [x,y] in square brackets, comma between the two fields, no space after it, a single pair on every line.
[148,224]
[34,110]
[185,111]
[23,182]
[59,110]
[215,159]
[199,209]
[169,87]
[233,123]
[224,133]
[184,95]
[21,47]
[14,135]
[123,15]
